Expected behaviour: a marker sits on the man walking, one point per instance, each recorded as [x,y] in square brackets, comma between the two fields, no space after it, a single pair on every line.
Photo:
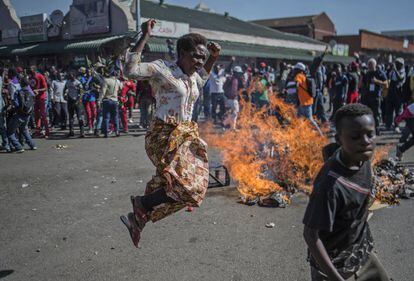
[39,87]
[73,95]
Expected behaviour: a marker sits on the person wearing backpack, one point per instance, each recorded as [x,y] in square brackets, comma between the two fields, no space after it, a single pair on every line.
[305,95]
[23,101]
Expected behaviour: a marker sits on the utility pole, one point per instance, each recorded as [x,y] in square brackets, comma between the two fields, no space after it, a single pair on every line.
[138,15]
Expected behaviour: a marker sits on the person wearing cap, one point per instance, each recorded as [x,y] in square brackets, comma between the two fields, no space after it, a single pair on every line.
[232,94]
[371,85]
[394,100]
[304,96]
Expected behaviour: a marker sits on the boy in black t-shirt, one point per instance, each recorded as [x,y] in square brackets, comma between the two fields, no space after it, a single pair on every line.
[336,228]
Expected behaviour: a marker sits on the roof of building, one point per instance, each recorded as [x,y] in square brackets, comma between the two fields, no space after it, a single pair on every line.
[65,46]
[252,50]
[214,21]
[407,32]
[288,21]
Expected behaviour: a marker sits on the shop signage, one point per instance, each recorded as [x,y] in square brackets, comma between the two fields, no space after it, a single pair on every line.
[169,29]
[33,28]
[89,17]
[340,50]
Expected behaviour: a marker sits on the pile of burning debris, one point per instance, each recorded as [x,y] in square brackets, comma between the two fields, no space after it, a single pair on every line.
[393,181]
[270,160]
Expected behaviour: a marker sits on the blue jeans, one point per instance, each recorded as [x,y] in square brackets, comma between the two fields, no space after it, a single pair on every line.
[3,131]
[99,118]
[318,108]
[306,112]
[110,112]
[19,122]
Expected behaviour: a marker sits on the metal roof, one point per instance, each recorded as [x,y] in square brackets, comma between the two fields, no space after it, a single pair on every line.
[43,48]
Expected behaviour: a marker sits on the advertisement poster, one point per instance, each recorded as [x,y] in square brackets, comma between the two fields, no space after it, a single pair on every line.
[89,17]
[33,28]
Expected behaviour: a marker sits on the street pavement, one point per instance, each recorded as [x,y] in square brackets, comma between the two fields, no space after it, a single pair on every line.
[59,213]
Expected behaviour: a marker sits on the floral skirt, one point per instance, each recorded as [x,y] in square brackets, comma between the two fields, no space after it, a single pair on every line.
[177,149]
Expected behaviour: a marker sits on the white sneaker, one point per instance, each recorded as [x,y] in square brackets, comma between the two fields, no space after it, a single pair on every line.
[130,121]
[398,130]
[90,131]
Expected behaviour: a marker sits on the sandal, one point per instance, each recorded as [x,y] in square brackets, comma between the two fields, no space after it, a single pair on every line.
[134,230]
[140,213]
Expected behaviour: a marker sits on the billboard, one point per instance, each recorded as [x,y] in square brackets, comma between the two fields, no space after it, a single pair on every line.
[89,17]
[169,29]
[340,50]
[33,28]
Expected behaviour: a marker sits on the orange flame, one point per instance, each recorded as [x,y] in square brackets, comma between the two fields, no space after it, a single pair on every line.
[265,155]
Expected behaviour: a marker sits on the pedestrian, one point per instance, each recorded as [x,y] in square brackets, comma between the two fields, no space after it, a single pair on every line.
[109,99]
[172,142]
[316,73]
[39,86]
[407,139]
[353,78]
[3,108]
[371,86]
[340,87]
[336,227]
[146,103]
[60,105]
[73,95]
[89,98]
[305,96]
[126,98]
[232,96]
[394,100]
[216,82]
[23,101]
[260,88]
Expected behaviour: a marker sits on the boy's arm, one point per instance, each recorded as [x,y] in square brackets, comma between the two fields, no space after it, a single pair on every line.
[319,253]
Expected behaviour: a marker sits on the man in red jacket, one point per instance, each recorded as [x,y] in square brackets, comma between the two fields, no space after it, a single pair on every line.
[39,86]
[128,89]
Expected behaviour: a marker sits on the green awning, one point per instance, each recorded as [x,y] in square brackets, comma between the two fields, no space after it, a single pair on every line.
[57,47]
[158,45]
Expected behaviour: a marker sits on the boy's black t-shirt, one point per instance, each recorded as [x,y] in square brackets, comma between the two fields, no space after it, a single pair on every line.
[338,208]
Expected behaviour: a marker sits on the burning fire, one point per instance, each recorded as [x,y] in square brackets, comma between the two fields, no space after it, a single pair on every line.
[274,154]
[273,150]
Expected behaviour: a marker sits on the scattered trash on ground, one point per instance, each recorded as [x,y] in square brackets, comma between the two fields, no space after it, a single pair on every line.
[270,225]
[61,146]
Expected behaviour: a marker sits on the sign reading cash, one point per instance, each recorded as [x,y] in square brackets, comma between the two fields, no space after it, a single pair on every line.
[89,17]
[169,29]
[33,28]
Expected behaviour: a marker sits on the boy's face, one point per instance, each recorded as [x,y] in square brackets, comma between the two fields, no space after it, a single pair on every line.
[356,137]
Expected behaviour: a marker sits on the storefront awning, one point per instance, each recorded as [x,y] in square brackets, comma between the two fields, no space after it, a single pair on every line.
[158,45]
[58,47]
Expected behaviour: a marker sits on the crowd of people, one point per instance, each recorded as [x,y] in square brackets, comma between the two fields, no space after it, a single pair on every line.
[100,97]
[103,99]
[363,100]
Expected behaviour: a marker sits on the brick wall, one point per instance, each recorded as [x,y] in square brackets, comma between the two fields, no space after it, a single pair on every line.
[374,41]
[323,26]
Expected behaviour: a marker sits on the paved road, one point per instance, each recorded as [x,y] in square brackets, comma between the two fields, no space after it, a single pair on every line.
[65,225]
